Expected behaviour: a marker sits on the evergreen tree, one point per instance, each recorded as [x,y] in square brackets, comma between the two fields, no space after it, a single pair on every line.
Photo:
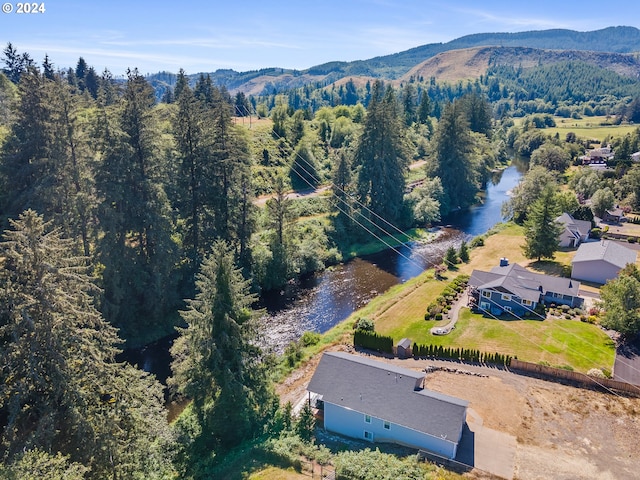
[304,170]
[527,192]
[279,266]
[23,160]
[306,423]
[478,112]
[463,253]
[137,250]
[341,188]
[452,161]
[231,181]
[541,229]
[451,257]
[16,64]
[216,362]
[60,389]
[47,68]
[424,110]
[193,137]
[381,156]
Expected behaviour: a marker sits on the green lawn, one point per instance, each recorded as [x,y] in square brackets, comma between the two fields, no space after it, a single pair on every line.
[558,342]
[591,128]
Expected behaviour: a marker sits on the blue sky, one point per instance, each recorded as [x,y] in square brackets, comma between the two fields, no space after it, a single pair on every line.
[251,34]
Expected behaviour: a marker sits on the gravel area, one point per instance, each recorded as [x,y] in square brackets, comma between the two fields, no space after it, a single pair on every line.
[558,431]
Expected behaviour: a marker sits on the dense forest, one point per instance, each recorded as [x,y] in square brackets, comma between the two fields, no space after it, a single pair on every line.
[130,211]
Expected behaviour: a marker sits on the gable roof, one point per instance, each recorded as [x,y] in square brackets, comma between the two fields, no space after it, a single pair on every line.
[387,392]
[607,251]
[521,282]
[579,227]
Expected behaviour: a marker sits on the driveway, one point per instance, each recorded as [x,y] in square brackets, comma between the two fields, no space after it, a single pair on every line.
[627,366]
[486,449]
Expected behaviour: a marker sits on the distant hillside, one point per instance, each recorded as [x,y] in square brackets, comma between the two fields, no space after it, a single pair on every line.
[470,63]
[615,40]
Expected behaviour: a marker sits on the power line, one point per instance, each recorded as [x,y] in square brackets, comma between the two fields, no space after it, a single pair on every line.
[428,262]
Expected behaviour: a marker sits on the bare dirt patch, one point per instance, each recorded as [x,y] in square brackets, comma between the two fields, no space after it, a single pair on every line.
[562,432]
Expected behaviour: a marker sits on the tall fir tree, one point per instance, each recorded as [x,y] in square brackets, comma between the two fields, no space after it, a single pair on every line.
[137,250]
[60,388]
[452,160]
[542,232]
[382,158]
[216,361]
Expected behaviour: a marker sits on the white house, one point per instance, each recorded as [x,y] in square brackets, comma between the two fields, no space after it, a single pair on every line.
[600,261]
[575,231]
[379,402]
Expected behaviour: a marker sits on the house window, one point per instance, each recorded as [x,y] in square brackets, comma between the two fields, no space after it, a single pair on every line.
[507,308]
[387,425]
[367,418]
[486,294]
[527,303]
[368,435]
[506,298]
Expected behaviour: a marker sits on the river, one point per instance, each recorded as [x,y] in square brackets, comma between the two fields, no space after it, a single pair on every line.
[323,300]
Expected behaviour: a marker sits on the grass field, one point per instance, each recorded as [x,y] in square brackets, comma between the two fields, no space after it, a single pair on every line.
[589,128]
[400,313]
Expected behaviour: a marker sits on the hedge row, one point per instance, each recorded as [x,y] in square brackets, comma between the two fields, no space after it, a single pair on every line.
[373,341]
[465,354]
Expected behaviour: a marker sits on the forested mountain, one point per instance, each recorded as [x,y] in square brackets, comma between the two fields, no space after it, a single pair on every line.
[389,67]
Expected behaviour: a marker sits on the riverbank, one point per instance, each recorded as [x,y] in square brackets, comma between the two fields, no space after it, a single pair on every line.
[399,313]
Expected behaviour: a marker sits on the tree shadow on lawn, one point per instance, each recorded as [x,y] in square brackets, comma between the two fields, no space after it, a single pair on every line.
[550,267]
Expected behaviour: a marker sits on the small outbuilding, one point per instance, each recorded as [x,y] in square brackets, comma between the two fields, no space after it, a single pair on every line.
[601,261]
[403,349]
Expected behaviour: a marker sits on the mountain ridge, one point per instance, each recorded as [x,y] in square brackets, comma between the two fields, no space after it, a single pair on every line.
[616,40]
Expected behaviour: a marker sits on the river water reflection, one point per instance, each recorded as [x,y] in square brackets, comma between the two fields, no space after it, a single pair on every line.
[327,298]
[323,300]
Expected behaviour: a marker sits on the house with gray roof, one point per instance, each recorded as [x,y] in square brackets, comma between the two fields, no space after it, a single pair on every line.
[601,261]
[379,402]
[512,289]
[575,231]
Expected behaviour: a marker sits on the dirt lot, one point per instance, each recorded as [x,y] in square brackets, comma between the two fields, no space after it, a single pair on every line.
[560,432]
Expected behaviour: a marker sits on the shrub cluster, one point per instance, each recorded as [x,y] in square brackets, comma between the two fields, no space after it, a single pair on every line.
[463,354]
[444,301]
[373,341]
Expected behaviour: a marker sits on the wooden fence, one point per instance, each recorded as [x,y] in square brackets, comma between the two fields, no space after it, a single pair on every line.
[575,377]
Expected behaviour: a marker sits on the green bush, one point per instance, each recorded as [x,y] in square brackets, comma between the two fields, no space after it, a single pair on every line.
[364,324]
[477,242]
[309,338]
[438,316]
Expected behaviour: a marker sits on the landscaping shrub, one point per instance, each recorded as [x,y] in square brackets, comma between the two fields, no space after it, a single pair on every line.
[365,324]
[596,373]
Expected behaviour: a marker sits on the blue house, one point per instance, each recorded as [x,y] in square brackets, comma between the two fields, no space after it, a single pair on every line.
[514,289]
[379,402]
